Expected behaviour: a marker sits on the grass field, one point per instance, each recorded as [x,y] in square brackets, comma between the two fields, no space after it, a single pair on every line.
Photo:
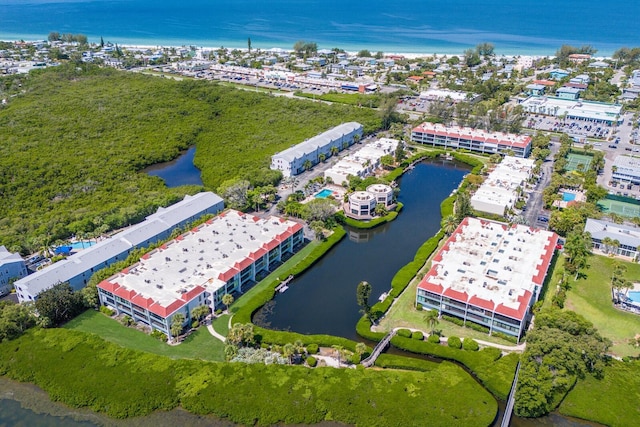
[403,314]
[199,345]
[612,400]
[591,297]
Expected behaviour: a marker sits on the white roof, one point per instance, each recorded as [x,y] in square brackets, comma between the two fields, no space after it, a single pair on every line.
[300,150]
[500,186]
[625,234]
[202,256]
[7,257]
[164,219]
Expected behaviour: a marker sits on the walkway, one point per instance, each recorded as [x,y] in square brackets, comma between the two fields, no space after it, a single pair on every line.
[213,331]
[380,347]
[506,418]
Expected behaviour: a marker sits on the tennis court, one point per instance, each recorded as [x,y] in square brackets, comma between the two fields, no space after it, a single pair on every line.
[573,160]
[618,207]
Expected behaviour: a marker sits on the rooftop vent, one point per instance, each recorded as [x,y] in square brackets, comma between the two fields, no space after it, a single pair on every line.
[159,286]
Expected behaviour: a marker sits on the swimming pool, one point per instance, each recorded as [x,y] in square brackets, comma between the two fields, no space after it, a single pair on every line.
[567,197]
[634,296]
[323,194]
[81,245]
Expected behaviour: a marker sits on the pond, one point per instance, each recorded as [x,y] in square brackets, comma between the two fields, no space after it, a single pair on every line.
[323,299]
[180,171]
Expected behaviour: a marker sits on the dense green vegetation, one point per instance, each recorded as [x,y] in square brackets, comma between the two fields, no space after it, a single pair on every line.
[611,400]
[75,140]
[563,348]
[125,383]
[494,371]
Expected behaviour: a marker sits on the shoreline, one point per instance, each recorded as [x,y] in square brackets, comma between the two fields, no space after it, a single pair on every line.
[352,50]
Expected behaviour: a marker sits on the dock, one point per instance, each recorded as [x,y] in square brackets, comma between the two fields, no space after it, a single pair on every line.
[283,286]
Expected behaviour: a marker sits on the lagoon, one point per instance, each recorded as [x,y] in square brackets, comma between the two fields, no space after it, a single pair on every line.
[180,171]
[323,299]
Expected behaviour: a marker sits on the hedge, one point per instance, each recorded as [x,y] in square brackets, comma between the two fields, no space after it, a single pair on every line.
[454,342]
[404,333]
[393,361]
[470,344]
[312,348]
[343,219]
[417,335]
[434,339]
[312,361]
[494,372]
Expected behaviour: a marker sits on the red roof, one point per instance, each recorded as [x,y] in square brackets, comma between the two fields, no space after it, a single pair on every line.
[431,287]
[241,265]
[549,248]
[482,303]
[476,135]
[456,295]
[228,274]
[519,313]
[257,253]
[544,82]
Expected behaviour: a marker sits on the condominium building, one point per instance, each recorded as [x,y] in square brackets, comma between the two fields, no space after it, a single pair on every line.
[489,273]
[436,134]
[225,255]
[362,204]
[363,162]
[299,158]
[78,268]
[499,192]
[626,237]
[12,266]
[627,169]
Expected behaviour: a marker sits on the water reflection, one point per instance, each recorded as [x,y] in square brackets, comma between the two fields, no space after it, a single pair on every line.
[180,171]
[323,299]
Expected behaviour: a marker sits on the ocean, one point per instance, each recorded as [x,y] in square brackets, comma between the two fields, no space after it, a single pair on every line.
[525,27]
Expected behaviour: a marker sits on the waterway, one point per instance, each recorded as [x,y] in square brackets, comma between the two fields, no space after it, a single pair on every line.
[177,172]
[323,299]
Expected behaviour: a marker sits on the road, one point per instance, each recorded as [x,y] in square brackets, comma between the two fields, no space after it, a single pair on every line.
[535,205]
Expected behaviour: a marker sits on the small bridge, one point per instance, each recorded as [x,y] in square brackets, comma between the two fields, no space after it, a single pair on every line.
[380,347]
[506,418]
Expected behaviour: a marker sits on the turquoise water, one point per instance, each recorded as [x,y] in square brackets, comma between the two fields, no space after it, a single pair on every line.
[323,194]
[634,296]
[81,245]
[423,26]
[567,197]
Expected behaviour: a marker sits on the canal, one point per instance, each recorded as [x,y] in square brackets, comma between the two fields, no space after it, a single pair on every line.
[323,299]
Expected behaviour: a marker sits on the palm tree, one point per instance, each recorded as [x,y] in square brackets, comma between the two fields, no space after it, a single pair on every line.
[307,164]
[449,224]
[322,157]
[431,317]
[334,150]
[339,350]
[606,243]
[227,300]
[176,324]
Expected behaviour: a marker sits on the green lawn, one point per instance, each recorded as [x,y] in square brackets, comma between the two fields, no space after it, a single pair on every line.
[221,324]
[591,297]
[403,314]
[199,345]
[612,400]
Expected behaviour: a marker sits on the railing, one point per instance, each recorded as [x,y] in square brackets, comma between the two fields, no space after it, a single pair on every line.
[506,418]
[369,361]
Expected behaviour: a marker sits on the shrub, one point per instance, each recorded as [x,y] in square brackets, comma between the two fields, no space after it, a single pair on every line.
[454,342]
[312,348]
[419,307]
[417,335]
[506,337]
[218,312]
[453,320]
[159,335]
[106,310]
[195,324]
[312,361]
[127,321]
[434,339]
[470,344]
[354,359]
[477,327]
[404,333]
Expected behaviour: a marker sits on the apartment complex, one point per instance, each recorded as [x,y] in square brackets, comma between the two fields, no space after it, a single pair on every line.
[499,192]
[11,266]
[299,158]
[363,162]
[489,273]
[439,135]
[78,268]
[225,255]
